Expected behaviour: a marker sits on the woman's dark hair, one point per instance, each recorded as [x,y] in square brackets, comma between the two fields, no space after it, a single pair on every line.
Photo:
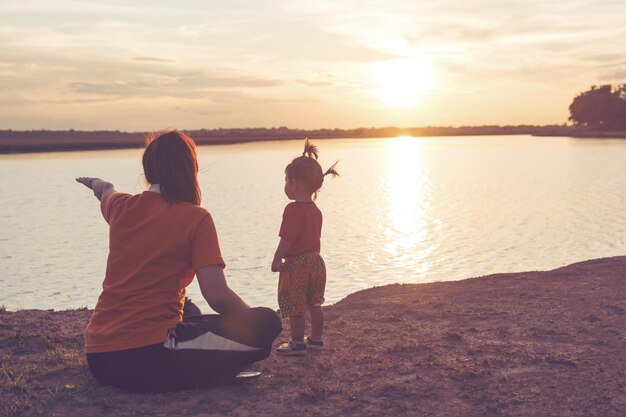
[308,171]
[170,161]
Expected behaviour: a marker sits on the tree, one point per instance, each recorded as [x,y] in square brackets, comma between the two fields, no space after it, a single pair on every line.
[602,108]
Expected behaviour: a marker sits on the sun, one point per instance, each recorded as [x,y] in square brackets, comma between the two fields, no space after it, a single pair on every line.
[402,83]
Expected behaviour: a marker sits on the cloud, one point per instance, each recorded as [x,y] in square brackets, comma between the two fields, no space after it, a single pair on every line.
[118,89]
[618,75]
[80,101]
[200,111]
[314,83]
[190,85]
[151,59]
[605,58]
[207,81]
[459,33]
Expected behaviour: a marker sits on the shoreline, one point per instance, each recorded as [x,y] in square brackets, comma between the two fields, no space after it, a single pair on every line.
[15,142]
[19,149]
[515,344]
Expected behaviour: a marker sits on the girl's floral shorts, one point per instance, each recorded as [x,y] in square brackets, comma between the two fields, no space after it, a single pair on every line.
[301,284]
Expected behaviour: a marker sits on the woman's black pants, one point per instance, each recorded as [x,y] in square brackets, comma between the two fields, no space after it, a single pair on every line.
[207,350]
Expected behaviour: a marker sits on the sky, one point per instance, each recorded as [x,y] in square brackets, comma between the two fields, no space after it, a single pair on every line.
[150,65]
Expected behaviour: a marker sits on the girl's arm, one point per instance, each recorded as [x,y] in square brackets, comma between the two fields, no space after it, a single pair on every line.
[216,291]
[100,187]
[281,252]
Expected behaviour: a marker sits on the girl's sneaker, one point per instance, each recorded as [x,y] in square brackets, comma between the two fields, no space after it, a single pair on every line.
[314,344]
[291,349]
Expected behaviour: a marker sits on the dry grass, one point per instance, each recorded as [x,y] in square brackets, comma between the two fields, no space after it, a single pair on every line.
[13,380]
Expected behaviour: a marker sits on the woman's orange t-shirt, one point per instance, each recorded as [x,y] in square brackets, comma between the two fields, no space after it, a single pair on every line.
[154,250]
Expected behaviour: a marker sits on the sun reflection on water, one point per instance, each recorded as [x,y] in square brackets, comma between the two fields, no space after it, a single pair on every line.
[407,232]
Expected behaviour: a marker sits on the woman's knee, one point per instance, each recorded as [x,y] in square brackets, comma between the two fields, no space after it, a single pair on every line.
[268,320]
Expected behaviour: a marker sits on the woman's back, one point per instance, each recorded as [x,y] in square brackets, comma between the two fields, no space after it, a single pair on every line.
[155,247]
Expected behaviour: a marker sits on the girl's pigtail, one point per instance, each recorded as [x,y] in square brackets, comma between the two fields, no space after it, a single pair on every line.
[332,171]
[310,150]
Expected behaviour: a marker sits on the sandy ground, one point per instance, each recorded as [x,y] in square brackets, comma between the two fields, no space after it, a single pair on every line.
[525,344]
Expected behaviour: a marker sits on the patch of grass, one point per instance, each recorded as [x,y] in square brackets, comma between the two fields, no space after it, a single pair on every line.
[16,406]
[393,388]
[61,353]
[494,361]
[407,348]
[13,380]
[473,372]
[27,341]
[398,407]
[75,309]
[60,392]
[452,337]
[556,359]
[502,333]
[384,318]
[326,365]
[316,390]
[365,357]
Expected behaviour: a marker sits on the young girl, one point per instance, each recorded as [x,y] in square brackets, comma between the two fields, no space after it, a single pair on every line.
[302,276]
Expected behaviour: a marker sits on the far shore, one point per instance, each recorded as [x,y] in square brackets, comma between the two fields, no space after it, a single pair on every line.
[525,344]
[73,140]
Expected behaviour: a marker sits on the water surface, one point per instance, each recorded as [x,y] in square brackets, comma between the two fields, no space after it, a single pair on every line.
[404,210]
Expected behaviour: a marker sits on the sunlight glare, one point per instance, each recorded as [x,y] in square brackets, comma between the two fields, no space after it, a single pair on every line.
[409,199]
[402,83]
[406,184]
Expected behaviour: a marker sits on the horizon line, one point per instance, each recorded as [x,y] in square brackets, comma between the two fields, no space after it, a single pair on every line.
[286,128]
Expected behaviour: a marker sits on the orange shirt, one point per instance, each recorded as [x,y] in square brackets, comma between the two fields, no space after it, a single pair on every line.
[154,250]
[302,225]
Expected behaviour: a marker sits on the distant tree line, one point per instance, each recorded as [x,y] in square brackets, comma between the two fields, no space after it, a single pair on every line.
[57,140]
[601,108]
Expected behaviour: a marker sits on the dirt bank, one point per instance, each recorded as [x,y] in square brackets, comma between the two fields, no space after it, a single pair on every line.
[526,344]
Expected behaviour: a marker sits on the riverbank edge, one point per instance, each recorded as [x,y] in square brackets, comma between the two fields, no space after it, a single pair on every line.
[518,344]
[591,134]
[50,141]
[8,149]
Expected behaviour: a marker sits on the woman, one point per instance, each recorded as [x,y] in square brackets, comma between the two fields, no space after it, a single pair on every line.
[137,338]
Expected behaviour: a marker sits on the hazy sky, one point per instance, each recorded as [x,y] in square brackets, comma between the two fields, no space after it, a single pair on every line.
[147,65]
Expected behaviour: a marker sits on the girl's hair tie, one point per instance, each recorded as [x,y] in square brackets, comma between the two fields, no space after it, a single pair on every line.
[332,171]
[310,150]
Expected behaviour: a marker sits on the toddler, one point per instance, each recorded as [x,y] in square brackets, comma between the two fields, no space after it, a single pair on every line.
[302,277]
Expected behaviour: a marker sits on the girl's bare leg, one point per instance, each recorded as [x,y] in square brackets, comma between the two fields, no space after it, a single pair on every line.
[317,322]
[297,328]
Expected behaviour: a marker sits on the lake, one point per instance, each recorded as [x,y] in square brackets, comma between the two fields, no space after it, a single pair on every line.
[404,210]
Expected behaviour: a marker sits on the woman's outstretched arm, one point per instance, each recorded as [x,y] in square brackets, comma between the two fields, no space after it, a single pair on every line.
[216,291]
[100,187]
